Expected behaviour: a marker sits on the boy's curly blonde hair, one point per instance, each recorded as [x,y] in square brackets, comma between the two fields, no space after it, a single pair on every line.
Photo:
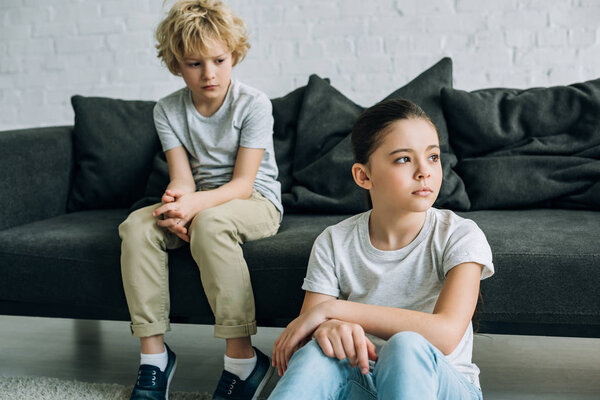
[192,24]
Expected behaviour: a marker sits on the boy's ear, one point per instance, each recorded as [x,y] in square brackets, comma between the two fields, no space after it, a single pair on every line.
[360,173]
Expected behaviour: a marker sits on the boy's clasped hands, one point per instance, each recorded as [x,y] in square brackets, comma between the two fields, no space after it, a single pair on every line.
[339,339]
[178,209]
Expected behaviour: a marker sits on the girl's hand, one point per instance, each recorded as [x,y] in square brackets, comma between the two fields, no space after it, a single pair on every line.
[295,335]
[343,340]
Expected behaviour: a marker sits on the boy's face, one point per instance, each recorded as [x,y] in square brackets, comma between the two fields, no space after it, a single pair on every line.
[208,74]
[405,171]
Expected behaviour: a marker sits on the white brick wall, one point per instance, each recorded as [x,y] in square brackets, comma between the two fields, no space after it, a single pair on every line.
[52,49]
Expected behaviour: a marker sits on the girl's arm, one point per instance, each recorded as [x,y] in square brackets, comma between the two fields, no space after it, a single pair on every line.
[311,299]
[281,353]
[444,328]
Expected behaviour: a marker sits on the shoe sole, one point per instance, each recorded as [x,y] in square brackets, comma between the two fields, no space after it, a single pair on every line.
[264,381]
[169,380]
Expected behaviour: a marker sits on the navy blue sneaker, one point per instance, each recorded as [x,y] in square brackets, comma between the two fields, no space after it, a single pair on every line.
[152,383]
[231,387]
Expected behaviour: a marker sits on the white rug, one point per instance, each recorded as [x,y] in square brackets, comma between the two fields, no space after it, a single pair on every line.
[35,388]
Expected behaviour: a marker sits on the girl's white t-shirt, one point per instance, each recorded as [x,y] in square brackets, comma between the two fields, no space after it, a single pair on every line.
[345,264]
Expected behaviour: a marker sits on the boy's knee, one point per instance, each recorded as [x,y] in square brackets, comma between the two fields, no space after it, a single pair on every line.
[140,224]
[207,225]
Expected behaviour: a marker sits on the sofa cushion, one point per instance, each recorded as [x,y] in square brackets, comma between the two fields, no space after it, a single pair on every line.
[325,120]
[536,147]
[285,116]
[70,259]
[36,167]
[546,264]
[74,259]
[114,142]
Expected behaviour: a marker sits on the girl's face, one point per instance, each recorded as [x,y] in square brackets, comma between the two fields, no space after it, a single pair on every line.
[405,172]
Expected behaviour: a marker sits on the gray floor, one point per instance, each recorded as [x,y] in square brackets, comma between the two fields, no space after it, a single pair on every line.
[513,367]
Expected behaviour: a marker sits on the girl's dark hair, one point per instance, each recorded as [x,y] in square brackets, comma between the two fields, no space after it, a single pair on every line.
[368,130]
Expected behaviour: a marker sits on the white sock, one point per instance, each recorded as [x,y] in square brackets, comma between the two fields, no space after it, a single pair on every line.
[242,367]
[159,360]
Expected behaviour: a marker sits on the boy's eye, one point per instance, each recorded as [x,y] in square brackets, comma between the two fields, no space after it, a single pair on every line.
[220,60]
[434,157]
[194,64]
[402,160]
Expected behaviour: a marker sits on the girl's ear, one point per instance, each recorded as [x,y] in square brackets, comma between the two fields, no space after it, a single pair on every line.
[360,173]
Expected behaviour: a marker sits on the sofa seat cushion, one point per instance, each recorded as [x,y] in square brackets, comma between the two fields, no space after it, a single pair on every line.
[547,265]
[74,260]
[69,259]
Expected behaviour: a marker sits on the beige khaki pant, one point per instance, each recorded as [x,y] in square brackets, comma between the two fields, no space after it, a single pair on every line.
[216,235]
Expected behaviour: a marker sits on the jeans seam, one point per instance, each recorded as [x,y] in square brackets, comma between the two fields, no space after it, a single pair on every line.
[366,390]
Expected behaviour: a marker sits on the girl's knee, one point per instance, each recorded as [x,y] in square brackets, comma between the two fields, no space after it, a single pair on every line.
[406,354]
[407,344]
[312,355]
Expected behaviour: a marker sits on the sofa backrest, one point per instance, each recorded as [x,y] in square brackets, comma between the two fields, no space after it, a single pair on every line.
[37,168]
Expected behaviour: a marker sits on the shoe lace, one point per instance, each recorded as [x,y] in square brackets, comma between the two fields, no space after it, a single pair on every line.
[147,376]
[227,384]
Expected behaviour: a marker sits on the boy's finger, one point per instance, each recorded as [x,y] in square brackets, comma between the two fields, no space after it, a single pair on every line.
[174,193]
[167,223]
[162,209]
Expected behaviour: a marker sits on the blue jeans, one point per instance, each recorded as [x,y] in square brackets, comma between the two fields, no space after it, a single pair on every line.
[408,367]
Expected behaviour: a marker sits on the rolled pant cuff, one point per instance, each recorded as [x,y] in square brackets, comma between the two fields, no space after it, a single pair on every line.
[235,331]
[151,329]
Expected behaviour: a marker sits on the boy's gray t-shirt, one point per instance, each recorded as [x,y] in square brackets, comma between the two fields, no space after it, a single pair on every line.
[244,119]
[345,264]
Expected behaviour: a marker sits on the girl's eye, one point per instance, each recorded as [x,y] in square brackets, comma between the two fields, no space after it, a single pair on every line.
[220,60]
[434,157]
[194,64]
[402,160]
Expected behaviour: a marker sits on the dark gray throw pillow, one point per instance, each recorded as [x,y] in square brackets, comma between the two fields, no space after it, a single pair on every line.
[322,161]
[285,116]
[114,141]
[537,147]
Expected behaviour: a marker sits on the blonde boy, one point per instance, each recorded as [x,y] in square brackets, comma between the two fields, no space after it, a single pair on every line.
[217,137]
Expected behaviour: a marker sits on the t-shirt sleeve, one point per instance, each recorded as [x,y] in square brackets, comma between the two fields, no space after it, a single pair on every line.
[320,274]
[467,243]
[166,134]
[257,125]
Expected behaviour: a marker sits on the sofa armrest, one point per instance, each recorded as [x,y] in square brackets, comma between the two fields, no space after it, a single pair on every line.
[37,166]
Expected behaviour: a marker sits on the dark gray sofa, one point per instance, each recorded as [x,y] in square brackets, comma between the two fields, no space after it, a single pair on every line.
[59,246]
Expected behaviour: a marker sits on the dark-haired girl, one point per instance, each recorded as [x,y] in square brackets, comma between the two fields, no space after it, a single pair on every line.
[390,293]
